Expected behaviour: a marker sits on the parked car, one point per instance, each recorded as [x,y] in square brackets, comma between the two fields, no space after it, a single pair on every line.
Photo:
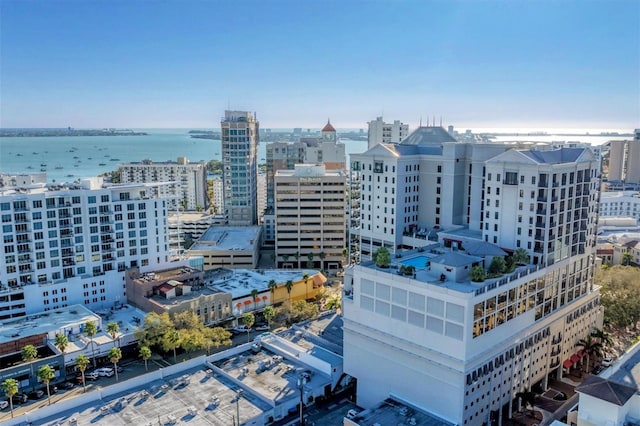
[53,389]
[20,398]
[607,361]
[90,376]
[120,369]
[240,329]
[262,327]
[67,385]
[560,396]
[36,394]
[598,369]
[4,404]
[105,372]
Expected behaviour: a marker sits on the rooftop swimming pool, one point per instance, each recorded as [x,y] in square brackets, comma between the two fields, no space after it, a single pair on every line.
[417,262]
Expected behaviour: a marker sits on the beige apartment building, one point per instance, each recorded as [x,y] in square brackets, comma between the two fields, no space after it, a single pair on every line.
[310,217]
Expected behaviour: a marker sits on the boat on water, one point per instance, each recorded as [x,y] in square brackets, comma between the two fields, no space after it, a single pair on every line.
[115,159]
[43,170]
[19,155]
[102,164]
[59,167]
[29,167]
[34,153]
[75,158]
[69,175]
[43,165]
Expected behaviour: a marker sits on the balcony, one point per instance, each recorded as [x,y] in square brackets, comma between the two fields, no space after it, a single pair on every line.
[23,261]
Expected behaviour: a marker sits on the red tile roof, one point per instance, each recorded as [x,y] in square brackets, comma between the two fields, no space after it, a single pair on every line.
[328,127]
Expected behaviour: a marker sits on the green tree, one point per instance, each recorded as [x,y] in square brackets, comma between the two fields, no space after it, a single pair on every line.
[82,362]
[382,257]
[322,255]
[61,342]
[521,256]
[497,266]
[186,320]
[590,346]
[113,329]
[153,330]
[248,319]
[620,295]
[302,310]
[310,260]
[171,342]
[627,258]
[268,314]
[477,274]
[115,355]
[29,353]
[220,337]
[305,278]
[334,302]
[10,388]
[145,354]
[90,330]
[46,373]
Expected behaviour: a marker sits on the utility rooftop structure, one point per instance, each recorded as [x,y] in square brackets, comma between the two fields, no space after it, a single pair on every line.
[440,318]
[229,247]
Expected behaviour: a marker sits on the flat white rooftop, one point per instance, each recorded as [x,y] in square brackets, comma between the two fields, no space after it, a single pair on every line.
[46,322]
[240,282]
[225,238]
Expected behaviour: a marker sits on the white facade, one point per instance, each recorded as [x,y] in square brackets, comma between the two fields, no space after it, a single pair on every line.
[262,195]
[218,194]
[621,203]
[437,333]
[624,161]
[381,132]
[188,187]
[240,138]
[71,245]
[310,217]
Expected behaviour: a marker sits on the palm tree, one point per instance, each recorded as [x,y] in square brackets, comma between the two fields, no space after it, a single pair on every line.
[272,288]
[61,342]
[521,256]
[627,258]
[82,362]
[310,261]
[10,388]
[29,353]
[297,256]
[248,319]
[115,355]
[254,296]
[603,336]
[268,314]
[322,255]
[590,346]
[145,354]
[527,398]
[113,329]
[91,330]
[46,374]
[289,287]
[170,342]
[305,278]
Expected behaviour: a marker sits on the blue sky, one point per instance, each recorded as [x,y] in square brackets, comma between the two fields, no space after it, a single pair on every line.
[90,63]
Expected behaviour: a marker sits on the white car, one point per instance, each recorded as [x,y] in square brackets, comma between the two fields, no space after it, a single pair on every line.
[607,361]
[240,329]
[352,414]
[105,372]
[4,404]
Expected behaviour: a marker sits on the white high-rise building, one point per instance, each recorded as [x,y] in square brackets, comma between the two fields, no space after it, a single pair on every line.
[621,204]
[310,217]
[381,132]
[187,186]
[65,245]
[261,195]
[240,139]
[420,329]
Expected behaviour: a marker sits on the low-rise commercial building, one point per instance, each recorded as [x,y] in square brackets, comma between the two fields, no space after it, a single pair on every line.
[228,247]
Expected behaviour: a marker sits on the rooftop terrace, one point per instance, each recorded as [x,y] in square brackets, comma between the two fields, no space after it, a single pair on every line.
[240,282]
[393,412]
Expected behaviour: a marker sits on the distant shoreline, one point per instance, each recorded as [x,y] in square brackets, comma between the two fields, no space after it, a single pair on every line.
[28,133]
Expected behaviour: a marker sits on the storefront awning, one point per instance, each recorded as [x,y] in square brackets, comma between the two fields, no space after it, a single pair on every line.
[567,364]
[581,353]
[574,358]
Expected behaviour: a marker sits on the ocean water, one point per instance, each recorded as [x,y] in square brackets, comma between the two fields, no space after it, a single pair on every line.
[100,154]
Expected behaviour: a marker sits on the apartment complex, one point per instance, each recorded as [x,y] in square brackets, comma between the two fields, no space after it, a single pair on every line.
[65,245]
[381,132]
[421,316]
[620,203]
[310,217]
[240,137]
[187,182]
[624,161]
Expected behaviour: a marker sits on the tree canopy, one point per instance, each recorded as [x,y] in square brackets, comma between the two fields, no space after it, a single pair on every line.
[620,295]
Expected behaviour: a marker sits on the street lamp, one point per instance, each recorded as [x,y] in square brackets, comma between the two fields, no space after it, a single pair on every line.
[238,396]
[301,382]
